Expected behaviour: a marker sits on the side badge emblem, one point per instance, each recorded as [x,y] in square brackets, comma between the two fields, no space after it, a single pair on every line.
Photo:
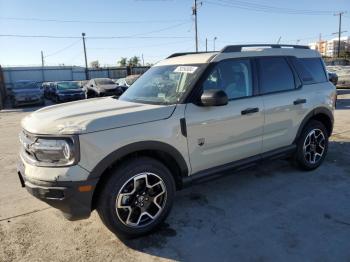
[201,141]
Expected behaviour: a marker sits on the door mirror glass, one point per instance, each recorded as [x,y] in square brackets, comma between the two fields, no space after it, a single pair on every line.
[214,97]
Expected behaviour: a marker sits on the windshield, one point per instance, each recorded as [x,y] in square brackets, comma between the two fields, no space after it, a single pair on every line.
[67,85]
[162,84]
[104,81]
[26,85]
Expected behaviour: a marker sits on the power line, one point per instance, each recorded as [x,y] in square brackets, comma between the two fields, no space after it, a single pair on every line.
[139,46]
[93,37]
[161,30]
[89,21]
[63,49]
[267,9]
[139,35]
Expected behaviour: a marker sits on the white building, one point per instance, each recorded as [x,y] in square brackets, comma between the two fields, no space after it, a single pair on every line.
[330,47]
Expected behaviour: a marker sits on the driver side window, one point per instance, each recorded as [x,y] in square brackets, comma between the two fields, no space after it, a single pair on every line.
[232,76]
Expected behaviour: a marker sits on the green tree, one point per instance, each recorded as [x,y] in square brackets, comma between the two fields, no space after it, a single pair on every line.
[122,61]
[134,61]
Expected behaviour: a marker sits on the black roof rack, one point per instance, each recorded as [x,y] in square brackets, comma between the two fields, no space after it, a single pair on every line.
[186,53]
[238,48]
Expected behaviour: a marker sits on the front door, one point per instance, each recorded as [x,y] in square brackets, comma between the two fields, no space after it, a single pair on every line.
[222,134]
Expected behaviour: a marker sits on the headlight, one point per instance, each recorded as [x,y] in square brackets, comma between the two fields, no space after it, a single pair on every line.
[47,151]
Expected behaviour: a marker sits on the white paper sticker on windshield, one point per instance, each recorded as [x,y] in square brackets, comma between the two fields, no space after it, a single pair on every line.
[186,69]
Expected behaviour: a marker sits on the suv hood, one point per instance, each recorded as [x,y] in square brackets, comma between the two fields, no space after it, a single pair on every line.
[92,115]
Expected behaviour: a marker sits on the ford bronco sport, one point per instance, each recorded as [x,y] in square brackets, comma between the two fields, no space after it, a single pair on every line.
[189,118]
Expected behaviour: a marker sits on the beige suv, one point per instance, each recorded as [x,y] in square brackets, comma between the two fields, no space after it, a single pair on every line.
[189,118]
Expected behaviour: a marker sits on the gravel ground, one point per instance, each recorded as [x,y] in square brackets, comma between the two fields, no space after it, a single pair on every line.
[273,212]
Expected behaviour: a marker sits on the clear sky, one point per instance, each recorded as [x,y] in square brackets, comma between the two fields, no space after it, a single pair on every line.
[155,28]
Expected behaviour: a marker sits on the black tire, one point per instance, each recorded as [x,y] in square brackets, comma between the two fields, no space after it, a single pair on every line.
[303,159]
[106,206]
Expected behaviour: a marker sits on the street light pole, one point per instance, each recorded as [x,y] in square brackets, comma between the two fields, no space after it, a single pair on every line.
[42,59]
[215,38]
[194,12]
[86,64]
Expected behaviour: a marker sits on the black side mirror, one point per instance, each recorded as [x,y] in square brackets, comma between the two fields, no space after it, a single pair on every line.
[214,97]
[333,78]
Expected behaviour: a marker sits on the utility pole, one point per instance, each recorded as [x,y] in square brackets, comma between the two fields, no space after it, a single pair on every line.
[86,64]
[206,44]
[42,66]
[339,31]
[42,59]
[194,12]
[215,38]
[143,60]
[279,40]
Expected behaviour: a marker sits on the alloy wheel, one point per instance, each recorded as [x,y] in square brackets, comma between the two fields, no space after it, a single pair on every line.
[314,146]
[141,200]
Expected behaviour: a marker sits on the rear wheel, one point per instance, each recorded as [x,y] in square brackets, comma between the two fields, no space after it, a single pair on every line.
[312,146]
[137,197]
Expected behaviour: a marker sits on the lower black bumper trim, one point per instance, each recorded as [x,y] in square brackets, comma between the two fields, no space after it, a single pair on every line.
[64,195]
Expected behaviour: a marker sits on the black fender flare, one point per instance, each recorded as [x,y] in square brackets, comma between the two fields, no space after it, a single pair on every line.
[314,112]
[106,162]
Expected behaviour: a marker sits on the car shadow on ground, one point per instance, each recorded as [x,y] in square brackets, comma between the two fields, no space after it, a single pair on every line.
[271,212]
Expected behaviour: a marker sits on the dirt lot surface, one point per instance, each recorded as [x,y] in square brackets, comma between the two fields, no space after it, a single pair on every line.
[273,212]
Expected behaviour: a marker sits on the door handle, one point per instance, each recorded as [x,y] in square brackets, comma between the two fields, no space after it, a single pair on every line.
[299,101]
[249,111]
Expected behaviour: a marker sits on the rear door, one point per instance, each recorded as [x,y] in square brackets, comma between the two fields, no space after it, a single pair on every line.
[285,101]
[222,134]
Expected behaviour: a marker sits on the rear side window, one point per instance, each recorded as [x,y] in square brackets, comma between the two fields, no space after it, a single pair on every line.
[275,75]
[310,70]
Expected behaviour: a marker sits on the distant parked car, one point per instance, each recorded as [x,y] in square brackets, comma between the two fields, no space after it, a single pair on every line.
[103,87]
[344,78]
[126,82]
[333,77]
[82,83]
[26,92]
[68,91]
[47,86]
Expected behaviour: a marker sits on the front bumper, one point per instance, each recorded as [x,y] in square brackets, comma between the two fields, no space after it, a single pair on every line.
[73,198]
[111,93]
[32,101]
[73,97]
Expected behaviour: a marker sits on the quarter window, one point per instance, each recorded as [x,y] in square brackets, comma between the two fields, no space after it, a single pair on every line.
[275,75]
[311,70]
[232,76]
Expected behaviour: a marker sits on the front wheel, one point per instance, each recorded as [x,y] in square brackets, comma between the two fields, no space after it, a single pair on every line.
[312,146]
[137,197]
